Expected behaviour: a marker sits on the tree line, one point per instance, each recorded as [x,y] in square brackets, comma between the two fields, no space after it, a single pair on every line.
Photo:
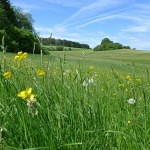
[16,29]
[59,42]
[107,44]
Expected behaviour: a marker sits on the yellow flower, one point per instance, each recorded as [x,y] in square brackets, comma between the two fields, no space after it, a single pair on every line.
[27,94]
[120,85]
[17,57]
[91,68]
[28,90]
[7,75]
[40,72]
[128,78]
[24,55]
[139,80]
[22,94]
[21,55]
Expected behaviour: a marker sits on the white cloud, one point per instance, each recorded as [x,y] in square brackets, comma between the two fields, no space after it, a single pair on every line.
[140,42]
[136,29]
[48,30]
[91,9]
[68,3]
[97,20]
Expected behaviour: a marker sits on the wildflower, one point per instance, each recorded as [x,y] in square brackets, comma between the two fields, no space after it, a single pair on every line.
[31,107]
[128,78]
[67,73]
[17,58]
[30,103]
[139,80]
[27,94]
[20,53]
[21,56]
[24,55]
[85,83]
[40,72]
[91,68]
[7,75]
[120,85]
[91,80]
[131,101]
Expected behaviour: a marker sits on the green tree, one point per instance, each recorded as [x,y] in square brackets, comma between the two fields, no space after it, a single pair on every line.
[7,14]
[17,29]
[106,41]
[4,22]
[24,20]
[107,44]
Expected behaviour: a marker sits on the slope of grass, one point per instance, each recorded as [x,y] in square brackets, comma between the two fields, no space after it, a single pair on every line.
[80,100]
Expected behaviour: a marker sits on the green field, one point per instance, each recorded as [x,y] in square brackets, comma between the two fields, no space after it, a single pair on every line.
[75,100]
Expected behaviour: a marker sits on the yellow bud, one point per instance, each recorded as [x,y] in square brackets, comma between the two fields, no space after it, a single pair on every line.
[20,53]
[40,72]
[7,75]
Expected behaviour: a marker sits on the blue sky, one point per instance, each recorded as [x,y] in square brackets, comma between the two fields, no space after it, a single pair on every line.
[89,21]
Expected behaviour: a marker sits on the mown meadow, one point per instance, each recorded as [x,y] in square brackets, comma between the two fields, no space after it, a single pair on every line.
[75,100]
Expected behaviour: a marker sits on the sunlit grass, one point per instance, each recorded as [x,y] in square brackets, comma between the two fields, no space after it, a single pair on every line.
[75,100]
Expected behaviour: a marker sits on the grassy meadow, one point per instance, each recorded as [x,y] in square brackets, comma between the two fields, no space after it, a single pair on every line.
[75,100]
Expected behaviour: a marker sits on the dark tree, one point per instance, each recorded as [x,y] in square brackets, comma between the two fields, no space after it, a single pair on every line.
[7,14]
[24,20]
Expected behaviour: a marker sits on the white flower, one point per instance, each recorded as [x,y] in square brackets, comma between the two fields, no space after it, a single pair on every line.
[66,73]
[131,101]
[85,83]
[91,80]
[31,103]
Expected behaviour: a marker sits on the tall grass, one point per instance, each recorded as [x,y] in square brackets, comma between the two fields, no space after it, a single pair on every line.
[78,107]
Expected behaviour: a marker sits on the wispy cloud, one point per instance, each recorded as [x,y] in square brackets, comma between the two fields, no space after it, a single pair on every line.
[140,28]
[68,3]
[140,18]
[91,9]
[96,20]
